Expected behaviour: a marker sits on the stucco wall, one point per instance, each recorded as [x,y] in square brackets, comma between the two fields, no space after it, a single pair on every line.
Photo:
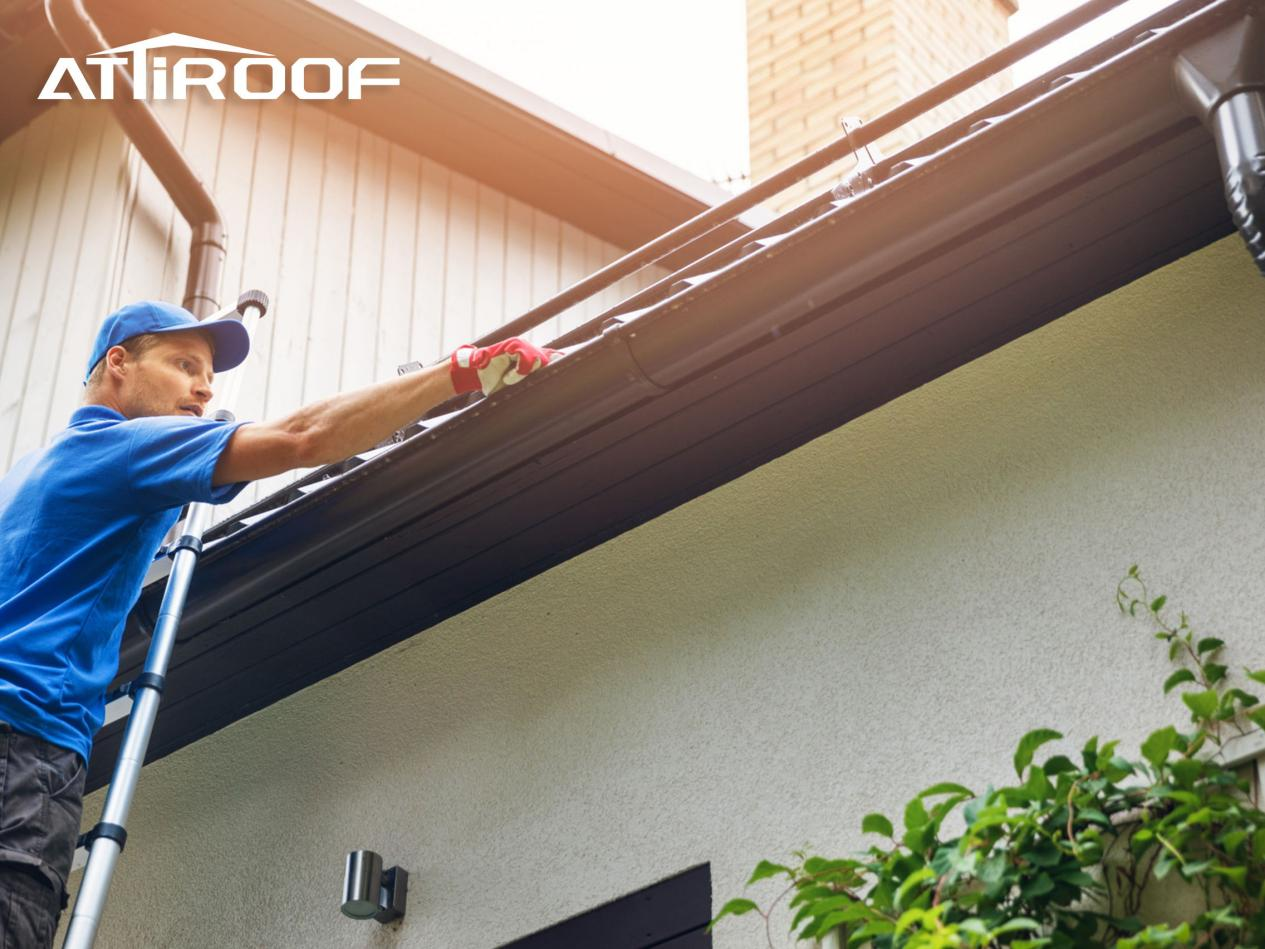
[892,604]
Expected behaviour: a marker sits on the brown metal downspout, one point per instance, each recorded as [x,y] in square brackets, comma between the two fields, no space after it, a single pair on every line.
[81,38]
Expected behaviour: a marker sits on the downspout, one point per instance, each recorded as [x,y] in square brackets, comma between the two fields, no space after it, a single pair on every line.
[81,38]
[1222,79]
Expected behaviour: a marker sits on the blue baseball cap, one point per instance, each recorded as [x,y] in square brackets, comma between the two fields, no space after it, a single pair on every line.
[232,342]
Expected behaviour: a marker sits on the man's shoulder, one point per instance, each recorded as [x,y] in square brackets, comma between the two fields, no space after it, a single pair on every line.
[172,426]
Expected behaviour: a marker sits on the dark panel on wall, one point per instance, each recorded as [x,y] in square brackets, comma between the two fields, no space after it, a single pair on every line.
[671,914]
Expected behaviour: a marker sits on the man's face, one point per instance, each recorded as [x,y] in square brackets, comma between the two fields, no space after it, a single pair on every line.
[173,377]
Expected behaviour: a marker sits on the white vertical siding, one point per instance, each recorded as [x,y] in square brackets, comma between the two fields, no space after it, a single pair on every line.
[373,255]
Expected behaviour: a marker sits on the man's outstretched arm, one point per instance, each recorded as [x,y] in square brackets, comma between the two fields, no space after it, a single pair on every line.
[338,427]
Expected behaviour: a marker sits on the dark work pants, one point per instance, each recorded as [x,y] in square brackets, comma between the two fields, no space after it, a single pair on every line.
[41,799]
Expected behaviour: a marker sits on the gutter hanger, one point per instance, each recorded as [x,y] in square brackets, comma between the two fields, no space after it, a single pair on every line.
[81,38]
[1222,79]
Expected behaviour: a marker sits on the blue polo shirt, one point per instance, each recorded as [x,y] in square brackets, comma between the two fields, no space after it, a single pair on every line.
[80,522]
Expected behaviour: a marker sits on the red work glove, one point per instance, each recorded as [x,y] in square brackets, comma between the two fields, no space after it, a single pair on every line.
[502,364]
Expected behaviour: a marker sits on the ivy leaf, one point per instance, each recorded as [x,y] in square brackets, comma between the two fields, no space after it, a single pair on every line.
[1236,875]
[733,908]
[1058,764]
[1209,644]
[1029,744]
[1044,854]
[1232,840]
[946,787]
[807,894]
[764,869]
[1246,699]
[1089,754]
[876,824]
[876,927]
[911,882]
[916,815]
[1177,678]
[1256,675]
[1018,924]
[1078,878]
[1158,603]
[1157,747]
[1191,870]
[1037,886]
[1187,770]
[1203,705]
[1257,715]
[1214,672]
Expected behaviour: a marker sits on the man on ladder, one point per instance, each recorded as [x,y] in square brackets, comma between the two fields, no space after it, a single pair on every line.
[82,518]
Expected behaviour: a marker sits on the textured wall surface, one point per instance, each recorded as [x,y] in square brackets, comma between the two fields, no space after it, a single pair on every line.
[890,605]
[811,62]
[372,255]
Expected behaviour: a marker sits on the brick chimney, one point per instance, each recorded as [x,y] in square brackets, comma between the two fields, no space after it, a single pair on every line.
[810,62]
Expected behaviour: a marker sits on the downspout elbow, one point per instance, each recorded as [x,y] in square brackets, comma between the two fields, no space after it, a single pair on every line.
[1222,79]
[81,38]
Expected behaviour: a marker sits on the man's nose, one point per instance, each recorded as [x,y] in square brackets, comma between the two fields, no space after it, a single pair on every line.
[203,390]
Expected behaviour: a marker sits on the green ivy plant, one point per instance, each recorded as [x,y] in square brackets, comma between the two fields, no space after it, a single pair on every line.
[1063,857]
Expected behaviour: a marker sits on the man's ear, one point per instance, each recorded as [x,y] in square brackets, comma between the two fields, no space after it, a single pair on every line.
[115,357]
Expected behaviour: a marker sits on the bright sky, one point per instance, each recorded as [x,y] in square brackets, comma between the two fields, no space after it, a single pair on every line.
[667,75]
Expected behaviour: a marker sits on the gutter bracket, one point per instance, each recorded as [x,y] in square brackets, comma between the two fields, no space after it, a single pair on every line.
[1222,81]
[861,178]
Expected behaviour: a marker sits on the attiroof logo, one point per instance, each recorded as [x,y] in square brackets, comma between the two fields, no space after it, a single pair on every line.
[256,75]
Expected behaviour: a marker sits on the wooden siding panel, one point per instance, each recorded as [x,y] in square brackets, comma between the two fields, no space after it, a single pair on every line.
[364,312]
[489,263]
[518,261]
[457,319]
[23,210]
[12,151]
[333,251]
[18,341]
[90,280]
[257,199]
[292,289]
[399,258]
[49,317]
[430,264]
[572,268]
[545,272]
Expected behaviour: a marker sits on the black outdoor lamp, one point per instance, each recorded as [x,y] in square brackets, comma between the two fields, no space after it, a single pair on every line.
[369,892]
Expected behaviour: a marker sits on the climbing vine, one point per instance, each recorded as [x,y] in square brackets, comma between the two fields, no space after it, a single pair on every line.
[1063,857]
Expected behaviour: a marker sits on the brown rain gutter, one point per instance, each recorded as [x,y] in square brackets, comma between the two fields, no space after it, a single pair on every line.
[81,38]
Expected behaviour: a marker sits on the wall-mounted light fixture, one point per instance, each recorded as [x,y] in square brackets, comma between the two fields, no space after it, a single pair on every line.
[369,892]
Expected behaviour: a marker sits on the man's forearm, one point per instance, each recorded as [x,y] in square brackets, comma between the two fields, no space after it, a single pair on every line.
[335,428]
[338,427]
